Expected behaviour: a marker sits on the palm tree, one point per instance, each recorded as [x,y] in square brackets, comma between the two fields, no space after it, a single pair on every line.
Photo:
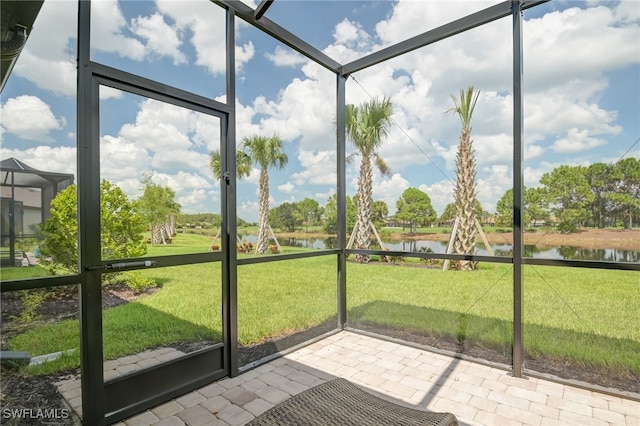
[367,127]
[243,164]
[265,152]
[465,190]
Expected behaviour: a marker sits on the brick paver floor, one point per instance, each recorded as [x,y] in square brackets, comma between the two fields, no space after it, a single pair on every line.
[476,394]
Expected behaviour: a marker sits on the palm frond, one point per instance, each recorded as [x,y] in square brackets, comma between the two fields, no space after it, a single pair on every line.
[382,166]
[464,105]
[214,164]
[350,157]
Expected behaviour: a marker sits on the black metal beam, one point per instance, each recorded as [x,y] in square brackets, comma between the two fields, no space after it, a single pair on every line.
[274,30]
[262,8]
[592,264]
[458,26]
[289,256]
[43,282]
[132,83]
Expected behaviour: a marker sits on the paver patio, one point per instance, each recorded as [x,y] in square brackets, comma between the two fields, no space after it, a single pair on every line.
[476,394]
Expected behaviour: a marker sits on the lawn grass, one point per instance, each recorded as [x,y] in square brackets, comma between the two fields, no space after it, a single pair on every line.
[584,316]
[574,315]
[20,273]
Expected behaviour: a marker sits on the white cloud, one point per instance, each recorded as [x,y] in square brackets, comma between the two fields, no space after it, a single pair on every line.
[28,117]
[254,177]
[389,189]
[576,141]
[47,59]
[304,108]
[556,112]
[325,195]
[409,18]
[182,181]
[174,137]
[579,44]
[60,159]
[206,23]
[318,168]
[287,188]
[490,189]
[120,159]
[285,58]
[197,201]
[161,38]
[533,151]
[107,92]
[108,31]
[440,192]
[248,210]
[350,33]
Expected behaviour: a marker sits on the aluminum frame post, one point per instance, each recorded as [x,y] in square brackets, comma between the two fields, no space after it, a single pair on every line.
[341,165]
[518,201]
[229,219]
[88,157]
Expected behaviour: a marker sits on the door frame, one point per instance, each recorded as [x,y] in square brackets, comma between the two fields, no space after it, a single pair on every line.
[118,398]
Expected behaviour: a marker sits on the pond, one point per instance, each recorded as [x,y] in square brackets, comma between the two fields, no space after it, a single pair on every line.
[539,252]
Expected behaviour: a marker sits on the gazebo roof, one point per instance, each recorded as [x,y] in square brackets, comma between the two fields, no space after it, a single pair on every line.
[24,175]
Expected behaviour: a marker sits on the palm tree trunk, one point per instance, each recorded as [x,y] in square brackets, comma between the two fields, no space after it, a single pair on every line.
[263,212]
[172,225]
[156,234]
[466,201]
[365,193]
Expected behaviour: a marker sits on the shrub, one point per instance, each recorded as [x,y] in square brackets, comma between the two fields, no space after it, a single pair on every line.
[431,262]
[392,259]
[567,227]
[30,302]
[138,282]
[274,249]
[244,247]
[121,226]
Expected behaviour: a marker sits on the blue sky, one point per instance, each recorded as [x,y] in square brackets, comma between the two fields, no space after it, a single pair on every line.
[582,94]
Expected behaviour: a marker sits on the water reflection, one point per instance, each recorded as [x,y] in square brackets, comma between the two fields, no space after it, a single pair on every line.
[506,250]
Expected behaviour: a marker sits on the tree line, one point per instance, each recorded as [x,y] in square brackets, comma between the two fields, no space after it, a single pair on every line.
[597,195]
[569,197]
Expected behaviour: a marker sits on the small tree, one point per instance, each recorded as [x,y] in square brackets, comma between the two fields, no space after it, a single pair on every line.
[309,211]
[122,228]
[626,192]
[379,213]
[414,207]
[567,191]
[284,217]
[156,205]
[448,215]
[330,217]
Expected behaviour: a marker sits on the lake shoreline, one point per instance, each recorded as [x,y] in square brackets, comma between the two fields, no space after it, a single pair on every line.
[622,239]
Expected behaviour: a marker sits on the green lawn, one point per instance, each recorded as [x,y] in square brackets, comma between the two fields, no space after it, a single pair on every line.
[583,316]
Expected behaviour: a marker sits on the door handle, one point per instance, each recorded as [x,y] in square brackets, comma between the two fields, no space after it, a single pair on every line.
[122,265]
